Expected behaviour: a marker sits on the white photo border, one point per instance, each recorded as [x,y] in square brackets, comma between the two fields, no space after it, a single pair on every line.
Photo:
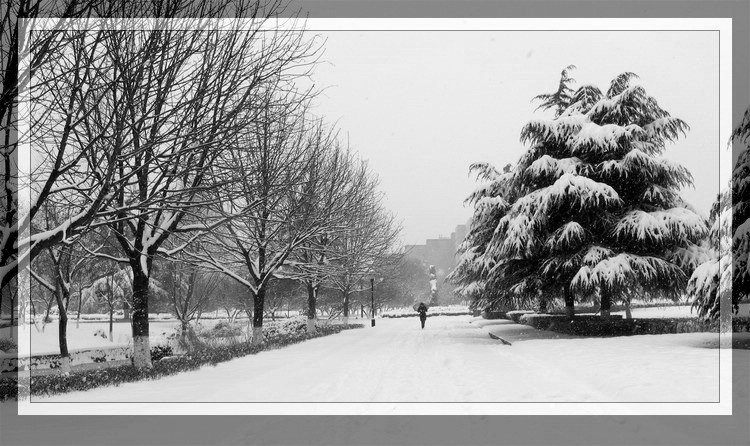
[722,407]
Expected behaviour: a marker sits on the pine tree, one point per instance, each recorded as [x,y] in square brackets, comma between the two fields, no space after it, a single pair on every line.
[712,278]
[741,213]
[491,202]
[712,281]
[598,212]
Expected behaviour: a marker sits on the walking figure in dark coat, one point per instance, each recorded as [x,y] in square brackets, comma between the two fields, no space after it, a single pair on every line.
[422,310]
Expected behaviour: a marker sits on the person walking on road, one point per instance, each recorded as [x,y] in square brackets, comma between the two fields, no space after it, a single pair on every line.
[422,310]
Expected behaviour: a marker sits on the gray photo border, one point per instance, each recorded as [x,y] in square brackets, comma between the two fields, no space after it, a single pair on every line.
[436,430]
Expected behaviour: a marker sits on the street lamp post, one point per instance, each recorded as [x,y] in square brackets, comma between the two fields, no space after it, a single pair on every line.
[372,296]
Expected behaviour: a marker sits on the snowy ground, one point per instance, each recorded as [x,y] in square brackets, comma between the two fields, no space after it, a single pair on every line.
[451,360]
[46,342]
[84,336]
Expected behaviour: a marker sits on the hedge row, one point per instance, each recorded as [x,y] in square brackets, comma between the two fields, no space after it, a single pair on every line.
[169,365]
[740,324]
[596,326]
[515,315]
[491,315]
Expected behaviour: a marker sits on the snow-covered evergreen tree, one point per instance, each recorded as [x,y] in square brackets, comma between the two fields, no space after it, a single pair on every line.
[598,213]
[491,200]
[712,281]
[741,213]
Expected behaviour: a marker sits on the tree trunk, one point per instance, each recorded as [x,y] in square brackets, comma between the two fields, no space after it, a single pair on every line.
[569,302]
[311,313]
[186,335]
[12,314]
[141,347]
[542,304]
[61,296]
[628,313]
[80,298]
[346,308]
[258,302]
[46,313]
[125,311]
[111,322]
[606,304]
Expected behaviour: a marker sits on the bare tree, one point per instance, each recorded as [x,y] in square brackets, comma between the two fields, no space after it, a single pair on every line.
[68,263]
[20,56]
[365,248]
[230,297]
[346,183]
[281,157]
[184,95]
[127,124]
[189,290]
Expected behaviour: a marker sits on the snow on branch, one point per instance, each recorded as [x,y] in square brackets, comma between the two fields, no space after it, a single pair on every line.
[690,256]
[620,83]
[518,238]
[568,236]
[572,191]
[660,226]
[549,167]
[704,287]
[607,138]
[596,254]
[741,251]
[666,129]
[618,273]
[538,131]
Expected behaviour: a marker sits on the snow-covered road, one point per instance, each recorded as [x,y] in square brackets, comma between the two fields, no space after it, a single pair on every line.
[451,360]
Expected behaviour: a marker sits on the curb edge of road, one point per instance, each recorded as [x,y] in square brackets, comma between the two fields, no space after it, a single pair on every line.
[496,337]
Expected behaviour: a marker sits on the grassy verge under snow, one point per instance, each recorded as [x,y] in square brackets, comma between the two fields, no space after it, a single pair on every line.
[20,387]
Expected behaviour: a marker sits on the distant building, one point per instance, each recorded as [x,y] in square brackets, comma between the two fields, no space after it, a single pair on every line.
[441,252]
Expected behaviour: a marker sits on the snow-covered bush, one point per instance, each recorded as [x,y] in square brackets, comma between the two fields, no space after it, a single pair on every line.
[290,327]
[223,329]
[516,315]
[8,345]
[160,351]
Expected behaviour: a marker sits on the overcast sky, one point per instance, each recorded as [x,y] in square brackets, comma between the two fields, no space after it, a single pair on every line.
[422,106]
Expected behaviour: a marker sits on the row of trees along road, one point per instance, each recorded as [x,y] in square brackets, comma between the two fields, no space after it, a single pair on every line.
[183,142]
[591,210]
